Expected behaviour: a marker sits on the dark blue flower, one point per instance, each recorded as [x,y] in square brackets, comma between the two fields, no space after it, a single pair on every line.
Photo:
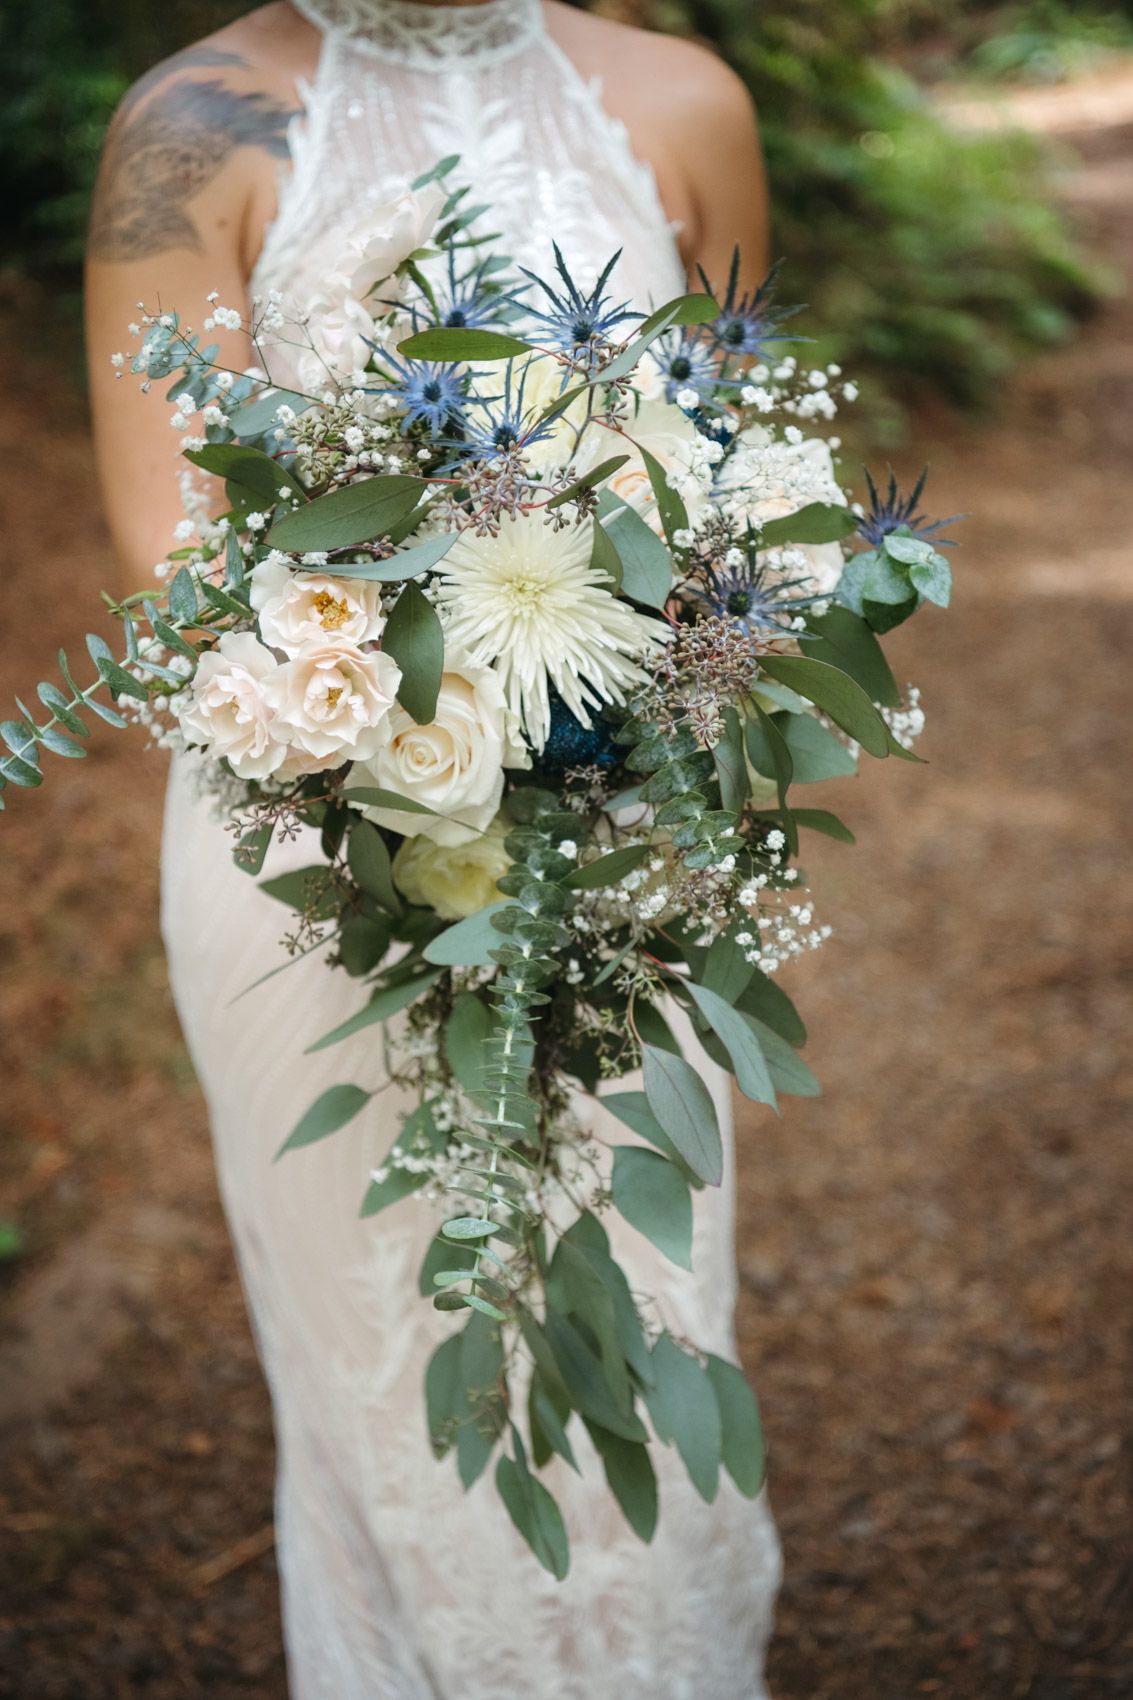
[431,393]
[895,512]
[493,425]
[571,744]
[758,600]
[474,301]
[581,325]
[686,364]
[748,323]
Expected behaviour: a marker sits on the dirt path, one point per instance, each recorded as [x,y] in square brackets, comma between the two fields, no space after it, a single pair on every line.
[935,1258]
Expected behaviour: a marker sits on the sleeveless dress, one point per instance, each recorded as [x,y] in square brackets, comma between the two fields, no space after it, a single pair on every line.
[396,1584]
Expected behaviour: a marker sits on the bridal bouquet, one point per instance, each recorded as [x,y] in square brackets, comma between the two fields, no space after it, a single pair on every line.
[540,612]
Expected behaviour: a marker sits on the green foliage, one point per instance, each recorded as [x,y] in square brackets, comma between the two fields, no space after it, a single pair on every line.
[931,260]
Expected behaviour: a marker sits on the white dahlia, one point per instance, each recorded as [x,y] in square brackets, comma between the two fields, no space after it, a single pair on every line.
[529,603]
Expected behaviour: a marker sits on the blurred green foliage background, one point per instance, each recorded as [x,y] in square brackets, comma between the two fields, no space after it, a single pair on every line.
[932,261]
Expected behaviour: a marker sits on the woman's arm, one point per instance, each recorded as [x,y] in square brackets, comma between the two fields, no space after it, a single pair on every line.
[185,184]
[724,166]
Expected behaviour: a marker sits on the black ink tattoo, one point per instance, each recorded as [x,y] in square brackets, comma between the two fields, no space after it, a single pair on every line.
[158,160]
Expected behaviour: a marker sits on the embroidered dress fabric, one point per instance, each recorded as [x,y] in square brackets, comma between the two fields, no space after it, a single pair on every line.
[396,1584]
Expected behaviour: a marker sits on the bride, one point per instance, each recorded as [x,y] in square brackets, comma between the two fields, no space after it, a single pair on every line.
[239,166]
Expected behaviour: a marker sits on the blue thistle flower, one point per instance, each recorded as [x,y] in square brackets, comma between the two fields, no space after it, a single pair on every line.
[430,393]
[579,324]
[895,512]
[489,430]
[749,323]
[686,364]
[473,301]
[751,595]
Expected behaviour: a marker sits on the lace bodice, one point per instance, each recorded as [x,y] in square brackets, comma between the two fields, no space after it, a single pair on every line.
[402,84]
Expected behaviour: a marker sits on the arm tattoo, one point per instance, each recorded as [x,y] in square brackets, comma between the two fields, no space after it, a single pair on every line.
[159,159]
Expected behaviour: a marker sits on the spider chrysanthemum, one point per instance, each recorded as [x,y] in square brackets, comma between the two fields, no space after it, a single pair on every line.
[530,603]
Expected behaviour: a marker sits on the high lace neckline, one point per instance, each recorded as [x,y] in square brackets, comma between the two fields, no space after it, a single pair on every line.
[425,36]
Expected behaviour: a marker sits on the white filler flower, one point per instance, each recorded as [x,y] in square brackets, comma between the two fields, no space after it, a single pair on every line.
[296,609]
[530,603]
[330,704]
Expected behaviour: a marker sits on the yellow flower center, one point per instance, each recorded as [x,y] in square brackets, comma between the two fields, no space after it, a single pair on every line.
[333,695]
[332,612]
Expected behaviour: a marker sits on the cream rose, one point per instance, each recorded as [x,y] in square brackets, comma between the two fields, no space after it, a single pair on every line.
[390,233]
[455,765]
[227,708]
[455,880]
[300,608]
[331,703]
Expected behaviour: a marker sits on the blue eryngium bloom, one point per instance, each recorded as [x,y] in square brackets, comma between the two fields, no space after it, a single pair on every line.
[686,364]
[473,301]
[895,512]
[748,323]
[579,324]
[493,425]
[753,596]
[431,393]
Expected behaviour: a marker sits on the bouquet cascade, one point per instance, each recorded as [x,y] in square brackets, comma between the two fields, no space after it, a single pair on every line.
[538,610]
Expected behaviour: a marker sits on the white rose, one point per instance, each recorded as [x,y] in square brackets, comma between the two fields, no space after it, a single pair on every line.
[226,707]
[331,702]
[341,331]
[297,609]
[455,765]
[457,880]
[390,233]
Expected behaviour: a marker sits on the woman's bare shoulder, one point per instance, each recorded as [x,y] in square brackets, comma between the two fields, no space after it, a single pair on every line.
[202,127]
[694,80]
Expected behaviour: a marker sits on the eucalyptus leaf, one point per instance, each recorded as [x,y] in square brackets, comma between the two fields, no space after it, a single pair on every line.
[846,640]
[369,863]
[647,568]
[741,1043]
[413,637]
[587,480]
[683,1106]
[731,768]
[816,754]
[685,1412]
[352,514]
[653,1196]
[465,1035]
[534,1513]
[468,943]
[452,342]
[387,1001]
[251,475]
[630,1477]
[741,1448]
[330,1111]
[839,696]
[607,869]
[404,564]
[818,522]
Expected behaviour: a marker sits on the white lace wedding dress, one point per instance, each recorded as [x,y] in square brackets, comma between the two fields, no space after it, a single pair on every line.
[396,1585]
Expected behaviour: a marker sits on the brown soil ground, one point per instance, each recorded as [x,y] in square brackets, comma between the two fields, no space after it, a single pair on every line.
[935,1257]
